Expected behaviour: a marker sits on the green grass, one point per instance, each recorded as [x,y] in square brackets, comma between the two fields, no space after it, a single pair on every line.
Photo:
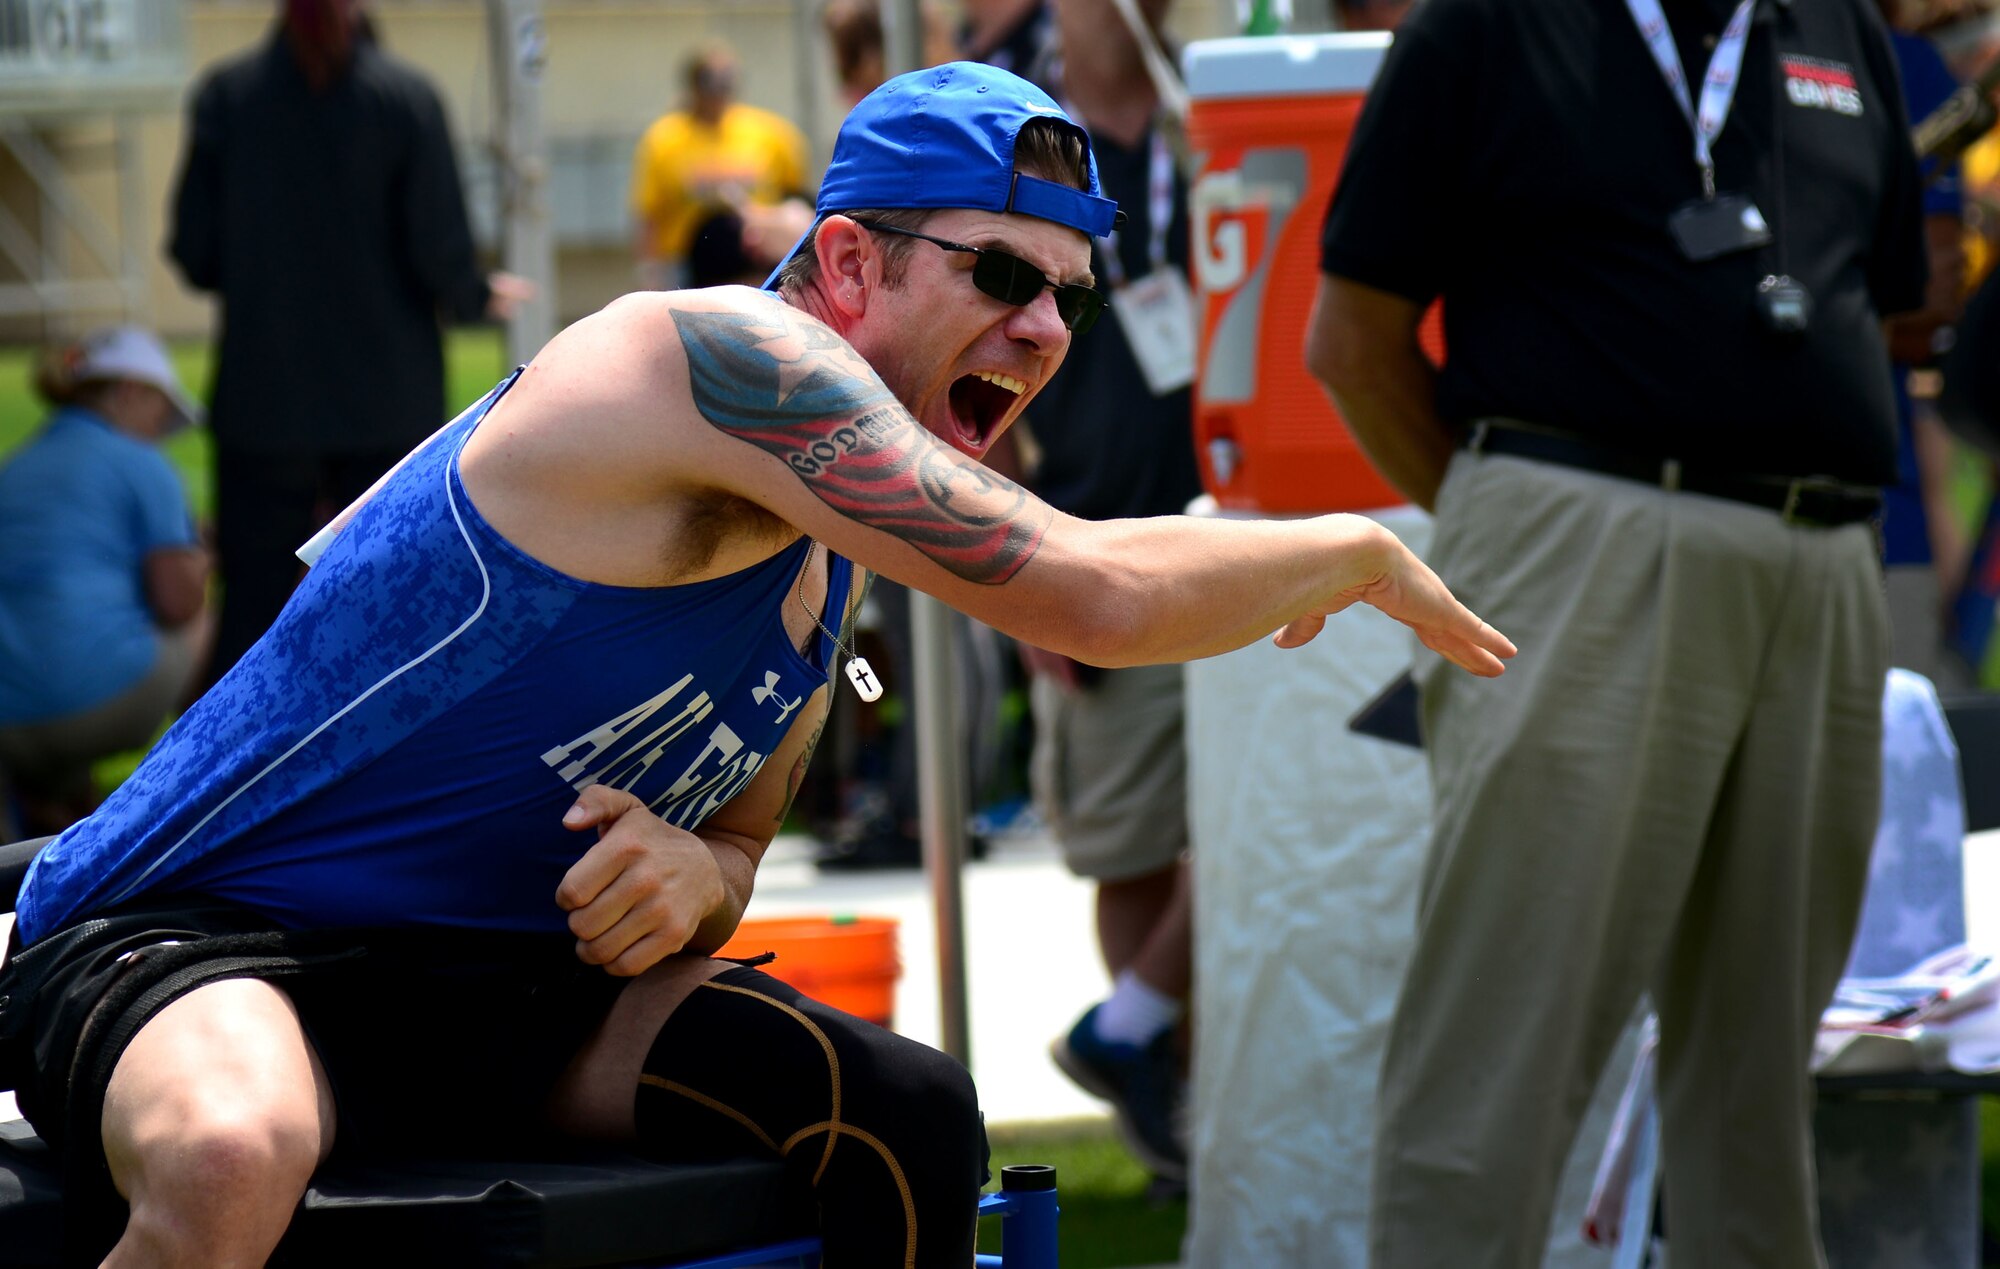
[474,361]
[1989,1173]
[1108,1221]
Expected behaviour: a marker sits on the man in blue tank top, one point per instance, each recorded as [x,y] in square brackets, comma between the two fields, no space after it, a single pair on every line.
[462,832]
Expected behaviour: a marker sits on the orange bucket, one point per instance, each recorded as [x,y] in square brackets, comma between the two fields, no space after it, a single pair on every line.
[848,962]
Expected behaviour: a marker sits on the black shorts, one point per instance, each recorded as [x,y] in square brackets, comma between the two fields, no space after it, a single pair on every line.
[434,1041]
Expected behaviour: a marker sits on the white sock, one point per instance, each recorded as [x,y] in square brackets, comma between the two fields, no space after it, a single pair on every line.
[1135,1012]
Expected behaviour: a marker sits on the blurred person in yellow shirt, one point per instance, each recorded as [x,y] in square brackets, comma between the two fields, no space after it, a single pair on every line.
[1981,168]
[1967,34]
[717,154]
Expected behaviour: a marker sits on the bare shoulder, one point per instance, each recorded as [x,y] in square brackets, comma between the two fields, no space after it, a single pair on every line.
[755,363]
[599,462]
[725,422]
[652,366]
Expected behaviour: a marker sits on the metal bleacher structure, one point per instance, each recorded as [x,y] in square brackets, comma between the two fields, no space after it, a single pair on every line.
[587,185]
[77,77]
[78,80]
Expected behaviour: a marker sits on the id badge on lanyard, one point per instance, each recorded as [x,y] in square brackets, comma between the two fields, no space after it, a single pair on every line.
[1156,312]
[1714,224]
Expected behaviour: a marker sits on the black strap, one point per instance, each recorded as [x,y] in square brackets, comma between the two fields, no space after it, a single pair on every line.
[1808,500]
[14,860]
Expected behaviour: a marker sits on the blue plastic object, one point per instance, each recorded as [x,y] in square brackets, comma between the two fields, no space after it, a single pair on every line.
[803,1252]
[1026,1203]
[1027,1200]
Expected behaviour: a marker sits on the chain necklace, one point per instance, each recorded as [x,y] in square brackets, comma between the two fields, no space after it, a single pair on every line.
[866,685]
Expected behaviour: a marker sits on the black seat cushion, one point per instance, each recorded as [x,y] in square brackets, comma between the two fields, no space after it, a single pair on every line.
[1975,729]
[30,1197]
[593,1207]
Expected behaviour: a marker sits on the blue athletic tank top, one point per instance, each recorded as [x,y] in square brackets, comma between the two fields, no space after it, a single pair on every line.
[399,749]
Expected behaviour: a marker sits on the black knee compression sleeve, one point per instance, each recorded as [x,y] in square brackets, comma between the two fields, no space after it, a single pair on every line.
[884,1131]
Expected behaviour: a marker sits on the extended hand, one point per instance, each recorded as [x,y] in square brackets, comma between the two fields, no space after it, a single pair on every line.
[637,896]
[769,232]
[1407,590]
[506,293]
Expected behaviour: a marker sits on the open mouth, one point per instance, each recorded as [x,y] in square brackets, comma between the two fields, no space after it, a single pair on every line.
[978,404]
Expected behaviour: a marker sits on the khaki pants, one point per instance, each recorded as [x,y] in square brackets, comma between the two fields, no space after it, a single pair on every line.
[1672,790]
[51,757]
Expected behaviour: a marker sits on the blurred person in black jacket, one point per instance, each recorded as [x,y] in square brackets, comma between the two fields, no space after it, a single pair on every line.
[319,200]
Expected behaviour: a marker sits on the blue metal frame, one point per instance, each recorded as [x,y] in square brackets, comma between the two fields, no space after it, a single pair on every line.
[1028,1235]
[1026,1202]
[803,1252]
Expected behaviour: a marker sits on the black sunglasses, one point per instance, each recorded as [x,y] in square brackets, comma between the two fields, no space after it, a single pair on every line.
[1006,276]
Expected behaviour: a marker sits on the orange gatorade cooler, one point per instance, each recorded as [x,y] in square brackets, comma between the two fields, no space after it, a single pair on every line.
[1269,126]
[848,962]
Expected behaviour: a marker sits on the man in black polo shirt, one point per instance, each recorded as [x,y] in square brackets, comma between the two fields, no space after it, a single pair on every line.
[1662,308]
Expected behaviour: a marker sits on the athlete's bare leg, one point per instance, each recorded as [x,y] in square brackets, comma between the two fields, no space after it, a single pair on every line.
[1145,924]
[594,1098]
[215,1117]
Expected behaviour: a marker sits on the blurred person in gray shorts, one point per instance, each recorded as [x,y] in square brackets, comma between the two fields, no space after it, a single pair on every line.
[1112,438]
[1110,777]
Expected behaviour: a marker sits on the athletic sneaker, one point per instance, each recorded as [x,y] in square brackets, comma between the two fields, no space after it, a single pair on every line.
[1140,1084]
[871,851]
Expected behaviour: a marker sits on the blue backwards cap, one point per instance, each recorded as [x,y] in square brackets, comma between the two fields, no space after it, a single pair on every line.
[944,137]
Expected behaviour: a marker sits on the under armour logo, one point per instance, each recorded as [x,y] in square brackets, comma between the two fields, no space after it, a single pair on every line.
[769,692]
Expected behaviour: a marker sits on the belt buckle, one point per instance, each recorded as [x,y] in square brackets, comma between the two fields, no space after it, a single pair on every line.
[1799,487]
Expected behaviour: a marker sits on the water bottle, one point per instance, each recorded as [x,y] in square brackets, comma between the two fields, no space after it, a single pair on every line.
[1262,18]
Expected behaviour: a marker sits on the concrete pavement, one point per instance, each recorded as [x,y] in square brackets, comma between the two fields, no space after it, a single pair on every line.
[1031,959]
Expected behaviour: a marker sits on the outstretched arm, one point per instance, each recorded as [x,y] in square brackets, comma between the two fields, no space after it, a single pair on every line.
[840,458]
[789,386]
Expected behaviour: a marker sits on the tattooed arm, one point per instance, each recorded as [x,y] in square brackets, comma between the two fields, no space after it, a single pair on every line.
[841,459]
[786,384]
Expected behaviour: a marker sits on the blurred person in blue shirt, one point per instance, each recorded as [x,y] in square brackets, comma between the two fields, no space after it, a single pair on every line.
[102,578]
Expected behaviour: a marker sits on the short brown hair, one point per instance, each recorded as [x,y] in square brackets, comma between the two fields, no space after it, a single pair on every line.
[1048,148]
[705,62]
[1053,150]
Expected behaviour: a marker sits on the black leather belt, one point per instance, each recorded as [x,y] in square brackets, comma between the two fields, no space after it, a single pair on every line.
[1814,500]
